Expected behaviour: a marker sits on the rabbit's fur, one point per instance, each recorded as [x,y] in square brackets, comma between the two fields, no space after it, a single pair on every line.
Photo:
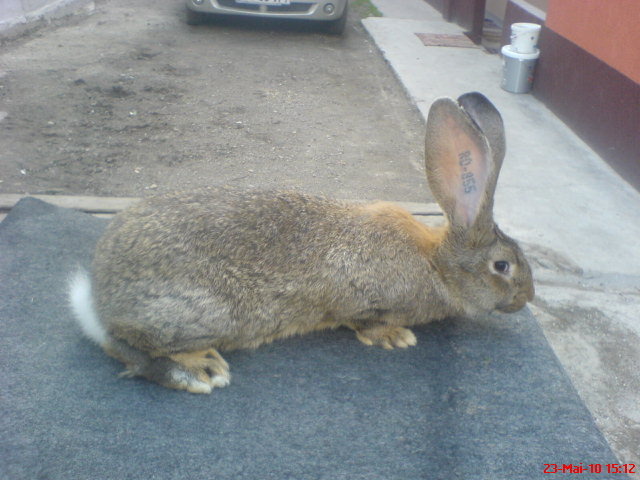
[177,278]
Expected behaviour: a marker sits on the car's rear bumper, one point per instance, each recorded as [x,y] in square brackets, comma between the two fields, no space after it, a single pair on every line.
[303,9]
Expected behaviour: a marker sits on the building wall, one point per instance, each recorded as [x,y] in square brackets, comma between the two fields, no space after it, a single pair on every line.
[609,30]
[497,8]
[588,73]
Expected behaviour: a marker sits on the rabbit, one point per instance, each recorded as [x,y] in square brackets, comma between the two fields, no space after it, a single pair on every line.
[178,278]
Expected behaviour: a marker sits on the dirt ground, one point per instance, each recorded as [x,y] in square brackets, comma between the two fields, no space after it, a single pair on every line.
[130,99]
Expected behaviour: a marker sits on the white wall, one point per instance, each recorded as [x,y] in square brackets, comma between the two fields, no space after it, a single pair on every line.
[497,7]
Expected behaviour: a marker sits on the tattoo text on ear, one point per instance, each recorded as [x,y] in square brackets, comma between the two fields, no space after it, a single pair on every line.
[468,180]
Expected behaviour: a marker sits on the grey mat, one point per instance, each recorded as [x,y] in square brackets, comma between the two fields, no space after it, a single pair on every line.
[474,400]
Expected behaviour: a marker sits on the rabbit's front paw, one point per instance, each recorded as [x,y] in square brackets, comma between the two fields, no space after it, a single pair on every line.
[387,337]
[199,372]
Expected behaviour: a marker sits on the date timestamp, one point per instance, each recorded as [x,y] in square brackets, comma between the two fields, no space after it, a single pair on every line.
[589,468]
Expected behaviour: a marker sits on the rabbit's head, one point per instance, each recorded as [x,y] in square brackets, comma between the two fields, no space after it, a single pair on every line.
[483,268]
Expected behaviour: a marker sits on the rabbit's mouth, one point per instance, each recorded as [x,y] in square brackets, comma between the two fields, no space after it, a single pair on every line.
[514,307]
[518,303]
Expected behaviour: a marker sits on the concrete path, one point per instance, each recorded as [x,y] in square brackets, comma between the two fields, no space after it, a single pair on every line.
[578,221]
[18,16]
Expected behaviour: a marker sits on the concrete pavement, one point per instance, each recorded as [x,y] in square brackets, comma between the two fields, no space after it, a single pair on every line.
[578,221]
[18,16]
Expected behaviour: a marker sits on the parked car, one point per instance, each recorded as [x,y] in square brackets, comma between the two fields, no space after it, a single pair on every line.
[333,13]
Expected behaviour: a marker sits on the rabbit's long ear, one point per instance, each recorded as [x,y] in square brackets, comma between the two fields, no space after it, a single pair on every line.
[464,149]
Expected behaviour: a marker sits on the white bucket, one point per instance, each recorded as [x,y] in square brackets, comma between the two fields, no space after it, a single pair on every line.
[524,37]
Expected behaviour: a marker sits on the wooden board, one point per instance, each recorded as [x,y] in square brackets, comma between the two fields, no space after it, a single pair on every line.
[96,205]
[109,206]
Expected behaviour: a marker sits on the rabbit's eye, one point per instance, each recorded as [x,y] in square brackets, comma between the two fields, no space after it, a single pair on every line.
[501,266]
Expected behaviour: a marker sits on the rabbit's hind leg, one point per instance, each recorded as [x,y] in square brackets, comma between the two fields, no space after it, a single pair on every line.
[196,372]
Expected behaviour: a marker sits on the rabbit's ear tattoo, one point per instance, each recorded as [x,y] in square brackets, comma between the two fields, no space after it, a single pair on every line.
[462,160]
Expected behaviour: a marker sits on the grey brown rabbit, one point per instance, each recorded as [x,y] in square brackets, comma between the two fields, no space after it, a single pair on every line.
[178,278]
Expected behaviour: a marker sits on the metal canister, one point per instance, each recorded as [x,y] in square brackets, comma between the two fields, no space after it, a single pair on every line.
[518,70]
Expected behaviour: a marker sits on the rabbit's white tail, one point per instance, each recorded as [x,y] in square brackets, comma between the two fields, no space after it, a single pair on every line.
[81,303]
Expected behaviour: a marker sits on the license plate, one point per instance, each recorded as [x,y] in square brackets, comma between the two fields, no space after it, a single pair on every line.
[264,2]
